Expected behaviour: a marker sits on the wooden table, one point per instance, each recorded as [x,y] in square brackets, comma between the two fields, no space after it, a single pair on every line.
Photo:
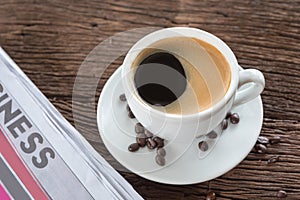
[50,39]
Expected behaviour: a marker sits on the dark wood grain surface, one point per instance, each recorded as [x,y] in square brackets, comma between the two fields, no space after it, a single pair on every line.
[50,39]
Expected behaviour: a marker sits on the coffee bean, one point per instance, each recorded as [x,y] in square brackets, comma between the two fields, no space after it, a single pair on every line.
[281,194]
[212,135]
[122,97]
[159,142]
[210,195]
[131,115]
[274,140]
[263,140]
[133,147]
[203,146]
[141,139]
[228,115]
[148,134]
[273,159]
[139,128]
[161,151]
[260,148]
[234,118]
[160,160]
[224,124]
[141,135]
[128,108]
[151,144]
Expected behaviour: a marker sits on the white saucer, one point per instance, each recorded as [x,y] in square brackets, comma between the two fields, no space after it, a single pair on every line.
[117,133]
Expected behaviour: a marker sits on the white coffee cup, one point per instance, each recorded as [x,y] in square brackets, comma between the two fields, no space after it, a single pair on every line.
[186,127]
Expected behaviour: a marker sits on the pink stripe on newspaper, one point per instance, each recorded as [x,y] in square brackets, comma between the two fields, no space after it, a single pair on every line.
[20,169]
[3,193]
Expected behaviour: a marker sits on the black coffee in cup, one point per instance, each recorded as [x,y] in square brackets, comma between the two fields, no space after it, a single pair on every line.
[160,79]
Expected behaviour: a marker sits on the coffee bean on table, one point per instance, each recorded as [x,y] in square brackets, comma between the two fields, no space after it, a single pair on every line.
[210,195]
[122,97]
[141,139]
[203,146]
[224,124]
[260,148]
[234,118]
[212,135]
[139,128]
[228,115]
[159,141]
[263,140]
[281,194]
[160,160]
[148,134]
[151,144]
[131,115]
[133,147]
[161,151]
[273,159]
[274,140]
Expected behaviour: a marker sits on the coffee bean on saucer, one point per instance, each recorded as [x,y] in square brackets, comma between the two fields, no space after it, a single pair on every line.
[210,195]
[203,146]
[139,128]
[281,194]
[161,151]
[260,148]
[273,159]
[159,141]
[160,160]
[228,115]
[148,134]
[141,139]
[234,118]
[263,140]
[128,108]
[151,144]
[212,135]
[122,97]
[133,147]
[131,115]
[274,140]
[224,124]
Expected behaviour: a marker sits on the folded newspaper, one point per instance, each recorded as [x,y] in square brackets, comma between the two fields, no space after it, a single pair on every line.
[41,155]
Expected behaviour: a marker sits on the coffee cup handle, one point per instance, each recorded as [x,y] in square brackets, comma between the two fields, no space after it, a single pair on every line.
[253,81]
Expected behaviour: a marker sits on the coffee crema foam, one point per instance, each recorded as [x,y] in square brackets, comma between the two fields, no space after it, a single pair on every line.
[207,72]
